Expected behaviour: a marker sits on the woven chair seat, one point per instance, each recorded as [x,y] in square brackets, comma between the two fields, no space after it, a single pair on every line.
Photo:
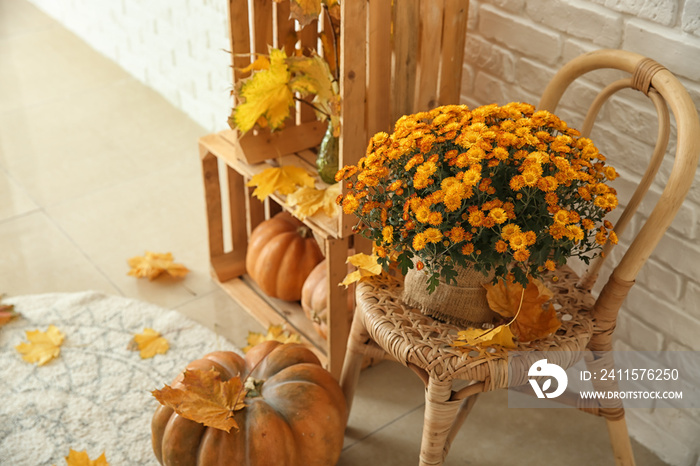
[416,339]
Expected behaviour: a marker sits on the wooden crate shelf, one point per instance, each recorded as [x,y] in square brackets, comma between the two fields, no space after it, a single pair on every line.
[221,153]
[227,150]
[270,311]
[386,70]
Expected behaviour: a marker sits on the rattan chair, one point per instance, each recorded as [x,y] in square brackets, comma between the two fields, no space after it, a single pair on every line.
[383,324]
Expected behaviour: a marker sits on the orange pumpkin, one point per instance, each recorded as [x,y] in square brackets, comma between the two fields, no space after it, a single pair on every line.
[281,253]
[296,417]
[314,298]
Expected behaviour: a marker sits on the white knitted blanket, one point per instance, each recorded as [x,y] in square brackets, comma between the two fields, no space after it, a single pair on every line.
[96,395]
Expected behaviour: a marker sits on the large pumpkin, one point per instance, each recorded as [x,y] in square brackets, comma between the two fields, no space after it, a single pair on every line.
[296,418]
[281,253]
[314,298]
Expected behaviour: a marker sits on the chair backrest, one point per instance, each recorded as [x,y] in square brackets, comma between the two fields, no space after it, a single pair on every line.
[663,89]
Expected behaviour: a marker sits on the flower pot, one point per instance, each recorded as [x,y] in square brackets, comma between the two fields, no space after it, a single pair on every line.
[463,303]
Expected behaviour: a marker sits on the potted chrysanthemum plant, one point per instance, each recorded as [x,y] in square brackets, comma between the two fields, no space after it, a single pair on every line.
[461,197]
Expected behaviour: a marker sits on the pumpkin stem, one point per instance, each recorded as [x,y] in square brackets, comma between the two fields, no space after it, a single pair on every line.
[304,231]
[253,387]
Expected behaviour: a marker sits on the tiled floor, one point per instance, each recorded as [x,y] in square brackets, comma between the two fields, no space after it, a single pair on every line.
[96,168]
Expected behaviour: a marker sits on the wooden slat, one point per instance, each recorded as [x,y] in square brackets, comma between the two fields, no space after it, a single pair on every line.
[237,192]
[454,36]
[338,325]
[353,131]
[406,23]
[286,36]
[255,210]
[256,148]
[292,313]
[255,305]
[262,13]
[272,208]
[431,15]
[239,36]
[379,89]
[308,38]
[228,266]
[212,195]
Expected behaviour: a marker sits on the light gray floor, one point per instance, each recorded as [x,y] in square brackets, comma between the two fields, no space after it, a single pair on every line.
[96,168]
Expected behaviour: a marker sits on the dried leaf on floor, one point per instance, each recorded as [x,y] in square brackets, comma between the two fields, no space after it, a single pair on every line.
[7,313]
[81,458]
[153,264]
[309,201]
[366,266]
[203,397]
[275,333]
[41,347]
[535,319]
[284,179]
[149,343]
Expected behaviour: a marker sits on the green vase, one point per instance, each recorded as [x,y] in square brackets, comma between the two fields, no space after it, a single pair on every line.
[327,160]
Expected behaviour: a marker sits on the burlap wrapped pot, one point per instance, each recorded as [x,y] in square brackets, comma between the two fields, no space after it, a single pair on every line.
[463,303]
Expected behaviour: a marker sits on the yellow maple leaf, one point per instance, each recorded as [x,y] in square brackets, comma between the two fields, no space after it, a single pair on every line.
[81,458]
[149,343]
[501,335]
[153,264]
[284,179]
[265,94]
[309,200]
[304,11]
[366,267]
[7,313]
[41,347]
[535,318]
[202,396]
[312,75]
[260,63]
[275,333]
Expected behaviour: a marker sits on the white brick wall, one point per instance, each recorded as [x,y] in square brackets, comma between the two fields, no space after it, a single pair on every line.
[513,49]
[177,47]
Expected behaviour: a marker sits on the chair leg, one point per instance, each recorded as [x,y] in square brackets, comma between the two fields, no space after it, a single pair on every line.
[440,416]
[464,410]
[620,440]
[358,342]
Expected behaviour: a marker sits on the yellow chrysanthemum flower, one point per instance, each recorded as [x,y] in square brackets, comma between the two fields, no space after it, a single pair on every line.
[435,218]
[562,217]
[388,234]
[476,218]
[433,235]
[419,242]
[521,255]
[498,215]
[422,214]
[509,230]
[518,241]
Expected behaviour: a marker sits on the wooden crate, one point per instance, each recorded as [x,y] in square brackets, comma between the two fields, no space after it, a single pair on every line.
[395,58]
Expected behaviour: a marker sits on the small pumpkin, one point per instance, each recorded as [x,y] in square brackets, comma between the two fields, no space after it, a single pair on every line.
[281,253]
[314,298]
[295,417]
